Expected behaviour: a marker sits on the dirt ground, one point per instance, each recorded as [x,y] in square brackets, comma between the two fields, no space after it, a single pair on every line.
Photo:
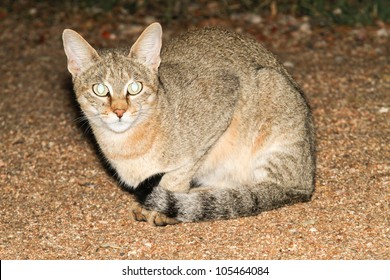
[57,201]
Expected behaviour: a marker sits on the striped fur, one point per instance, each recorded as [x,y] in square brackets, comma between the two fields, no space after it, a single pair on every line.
[222,203]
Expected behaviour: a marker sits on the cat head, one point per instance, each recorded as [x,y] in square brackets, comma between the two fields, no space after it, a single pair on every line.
[116,89]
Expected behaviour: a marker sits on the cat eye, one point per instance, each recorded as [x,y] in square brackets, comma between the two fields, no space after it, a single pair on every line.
[134,88]
[100,89]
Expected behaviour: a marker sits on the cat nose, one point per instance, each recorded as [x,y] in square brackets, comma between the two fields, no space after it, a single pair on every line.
[119,112]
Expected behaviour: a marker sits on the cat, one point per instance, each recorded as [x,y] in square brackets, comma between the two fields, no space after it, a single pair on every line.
[210,126]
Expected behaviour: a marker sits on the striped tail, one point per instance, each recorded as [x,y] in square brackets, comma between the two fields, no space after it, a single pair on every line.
[216,204]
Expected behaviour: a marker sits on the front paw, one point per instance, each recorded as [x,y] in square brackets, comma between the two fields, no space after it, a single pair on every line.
[140,214]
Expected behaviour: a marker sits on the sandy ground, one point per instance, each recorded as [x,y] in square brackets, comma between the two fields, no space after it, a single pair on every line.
[57,201]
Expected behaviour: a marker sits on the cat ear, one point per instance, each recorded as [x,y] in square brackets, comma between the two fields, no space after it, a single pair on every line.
[147,47]
[80,54]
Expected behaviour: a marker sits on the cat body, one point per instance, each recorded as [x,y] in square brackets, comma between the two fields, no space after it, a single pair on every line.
[218,117]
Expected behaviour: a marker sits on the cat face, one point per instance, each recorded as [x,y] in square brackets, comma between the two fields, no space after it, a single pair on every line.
[115,91]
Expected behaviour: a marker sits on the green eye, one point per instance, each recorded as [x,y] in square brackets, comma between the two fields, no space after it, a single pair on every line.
[134,88]
[100,89]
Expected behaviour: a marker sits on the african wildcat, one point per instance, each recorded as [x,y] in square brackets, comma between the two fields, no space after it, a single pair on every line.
[216,116]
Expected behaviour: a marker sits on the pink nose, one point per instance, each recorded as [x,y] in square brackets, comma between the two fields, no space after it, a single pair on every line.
[119,112]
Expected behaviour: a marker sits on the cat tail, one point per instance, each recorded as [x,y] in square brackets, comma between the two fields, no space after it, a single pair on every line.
[202,204]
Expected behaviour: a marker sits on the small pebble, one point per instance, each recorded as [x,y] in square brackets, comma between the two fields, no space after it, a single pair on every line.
[383,110]
[313,229]
[288,64]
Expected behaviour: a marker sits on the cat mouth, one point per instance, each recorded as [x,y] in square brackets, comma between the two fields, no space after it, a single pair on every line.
[119,125]
[122,124]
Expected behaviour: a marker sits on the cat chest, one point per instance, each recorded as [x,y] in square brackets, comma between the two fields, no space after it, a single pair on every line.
[134,171]
[132,155]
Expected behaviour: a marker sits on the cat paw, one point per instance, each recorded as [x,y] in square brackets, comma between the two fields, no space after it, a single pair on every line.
[140,214]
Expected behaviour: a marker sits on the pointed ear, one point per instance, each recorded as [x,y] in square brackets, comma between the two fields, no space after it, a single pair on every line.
[80,54]
[147,47]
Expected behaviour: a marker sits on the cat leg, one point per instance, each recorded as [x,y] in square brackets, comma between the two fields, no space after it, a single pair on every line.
[176,181]
[140,214]
[180,179]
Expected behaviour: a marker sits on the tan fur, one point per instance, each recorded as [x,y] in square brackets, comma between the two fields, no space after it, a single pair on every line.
[228,142]
[144,137]
[260,139]
[220,128]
